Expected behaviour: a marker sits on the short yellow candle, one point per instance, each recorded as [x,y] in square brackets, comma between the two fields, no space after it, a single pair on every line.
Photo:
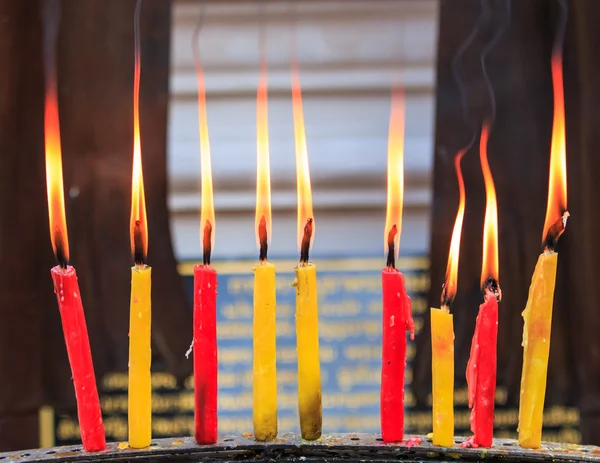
[265,370]
[140,387]
[442,369]
[309,367]
[536,349]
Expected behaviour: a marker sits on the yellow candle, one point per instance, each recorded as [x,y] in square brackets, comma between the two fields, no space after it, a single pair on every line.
[265,370]
[140,387]
[442,369]
[536,349]
[307,337]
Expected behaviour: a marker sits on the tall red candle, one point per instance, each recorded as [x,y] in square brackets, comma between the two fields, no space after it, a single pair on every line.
[205,286]
[80,357]
[63,275]
[205,354]
[397,314]
[481,374]
[397,320]
[481,368]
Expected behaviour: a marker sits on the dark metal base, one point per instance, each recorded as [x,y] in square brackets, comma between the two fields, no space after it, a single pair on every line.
[289,447]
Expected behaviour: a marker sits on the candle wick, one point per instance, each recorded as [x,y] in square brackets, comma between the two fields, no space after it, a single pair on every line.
[206,242]
[60,253]
[555,231]
[491,288]
[391,256]
[263,239]
[305,246]
[138,244]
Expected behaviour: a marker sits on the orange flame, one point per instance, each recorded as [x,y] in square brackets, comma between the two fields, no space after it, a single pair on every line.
[450,285]
[54,173]
[489,268]
[305,208]
[557,191]
[207,213]
[395,170]
[138,226]
[263,173]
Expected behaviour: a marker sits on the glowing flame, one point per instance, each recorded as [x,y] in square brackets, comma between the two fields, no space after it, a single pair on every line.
[138,226]
[207,214]
[395,170]
[450,285]
[263,174]
[489,267]
[54,173]
[305,208]
[557,191]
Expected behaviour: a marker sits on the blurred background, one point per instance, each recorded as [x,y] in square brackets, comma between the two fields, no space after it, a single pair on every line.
[351,54]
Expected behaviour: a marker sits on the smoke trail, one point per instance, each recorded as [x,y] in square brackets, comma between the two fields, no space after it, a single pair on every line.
[491,44]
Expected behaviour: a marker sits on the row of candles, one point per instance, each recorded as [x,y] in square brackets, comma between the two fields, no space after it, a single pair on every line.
[397,318]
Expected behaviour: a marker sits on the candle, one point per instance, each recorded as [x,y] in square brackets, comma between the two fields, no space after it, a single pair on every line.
[481,367]
[264,367]
[205,290]
[63,275]
[397,313]
[307,312]
[442,331]
[140,315]
[538,311]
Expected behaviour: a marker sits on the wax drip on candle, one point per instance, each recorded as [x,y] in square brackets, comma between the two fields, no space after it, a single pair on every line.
[391,257]
[206,243]
[305,246]
[263,238]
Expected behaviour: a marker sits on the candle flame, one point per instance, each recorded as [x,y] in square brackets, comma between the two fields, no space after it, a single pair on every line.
[395,176]
[450,284]
[263,174]
[207,213]
[557,190]
[489,268]
[305,208]
[138,226]
[54,173]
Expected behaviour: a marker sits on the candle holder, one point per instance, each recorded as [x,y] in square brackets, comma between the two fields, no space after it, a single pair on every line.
[290,447]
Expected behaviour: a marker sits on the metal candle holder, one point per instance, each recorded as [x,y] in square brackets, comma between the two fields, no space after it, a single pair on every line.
[290,447]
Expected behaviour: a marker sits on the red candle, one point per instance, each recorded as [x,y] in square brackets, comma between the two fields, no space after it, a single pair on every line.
[397,320]
[397,314]
[64,276]
[80,357]
[481,368]
[205,354]
[481,374]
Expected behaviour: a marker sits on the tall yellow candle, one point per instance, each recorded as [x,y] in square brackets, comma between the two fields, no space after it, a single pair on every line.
[140,387]
[264,368]
[442,369]
[536,350]
[538,311]
[265,371]
[140,356]
[309,366]
[307,314]
[442,330]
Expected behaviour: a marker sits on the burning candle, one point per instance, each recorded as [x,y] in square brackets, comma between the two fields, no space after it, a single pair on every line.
[481,367]
[397,313]
[140,314]
[538,311]
[307,312]
[264,368]
[63,275]
[442,331]
[205,290]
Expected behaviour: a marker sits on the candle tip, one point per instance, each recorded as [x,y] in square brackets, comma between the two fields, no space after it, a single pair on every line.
[305,246]
[555,231]
[263,239]
[391,257]
[206,243]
